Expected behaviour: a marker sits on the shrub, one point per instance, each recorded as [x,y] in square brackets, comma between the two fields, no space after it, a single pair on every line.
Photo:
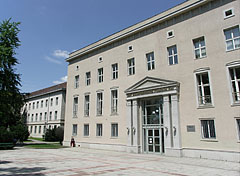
[55,134]
[6,136]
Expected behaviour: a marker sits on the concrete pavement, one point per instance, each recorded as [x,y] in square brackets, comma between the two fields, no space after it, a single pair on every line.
[81,161]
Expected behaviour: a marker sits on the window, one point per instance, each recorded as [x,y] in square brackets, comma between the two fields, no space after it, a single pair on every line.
[39,129]
[31,129]
[50,115]
[51,102]
[77,68]
[88,78]
[46,104]
[99,103]
[28,118]
[150,61]
[235,82]
[40,117]
[76,83]
[86,130]
[199,48]
[238,128]
[37,104]
[42,104]
[130,48]
[36,117]
[131,66]
[99,130]
[172,55]
[114,71]
[228,13]
[114,101]
[100,59]
[74,130]
[44,129]
[33,105]
[75,106]
[208,129]
[56,101]
[45,116]
[35,129]
[32,118]
[170,34]
[204,90]
[55,115]
[114,130]
[86,105]
[232,37]
[100,75]
[29,107]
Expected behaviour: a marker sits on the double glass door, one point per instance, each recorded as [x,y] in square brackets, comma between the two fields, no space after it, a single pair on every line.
[155,140]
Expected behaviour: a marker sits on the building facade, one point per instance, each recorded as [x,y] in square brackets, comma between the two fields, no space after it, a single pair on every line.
[167,85]
[45,109]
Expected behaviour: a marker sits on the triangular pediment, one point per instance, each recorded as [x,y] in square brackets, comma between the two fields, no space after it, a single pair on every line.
[149,83]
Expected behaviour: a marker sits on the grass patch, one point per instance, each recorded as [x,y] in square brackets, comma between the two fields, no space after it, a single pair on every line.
[38,139]
[44,146]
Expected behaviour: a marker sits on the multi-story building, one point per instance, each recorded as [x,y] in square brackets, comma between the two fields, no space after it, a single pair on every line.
[167,85]
[45,109]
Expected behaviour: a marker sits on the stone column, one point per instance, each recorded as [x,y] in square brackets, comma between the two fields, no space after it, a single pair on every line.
[135,127]
[129,124]
[167,122]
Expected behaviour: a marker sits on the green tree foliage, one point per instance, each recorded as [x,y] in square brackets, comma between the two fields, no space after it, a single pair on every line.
[55,134]
[11,100]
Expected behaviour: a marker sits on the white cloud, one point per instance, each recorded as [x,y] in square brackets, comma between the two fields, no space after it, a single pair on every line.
[61,54]
[62,80]
[53,60]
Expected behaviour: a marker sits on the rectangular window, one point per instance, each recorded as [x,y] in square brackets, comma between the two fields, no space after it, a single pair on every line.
[74,130]
[131,66]
[86,130]
[40,117]
[46,104]
[56,101]
[238,128]
[99,130]
[115,71]
[150,61]
[36,117]
[35,129]
[75,106]
[114,130]
[76,82]
[51,102]
[199,47]
[32,118]
[50,116]
[114,101]
[55,115]
[39,129]
[235,82]
[31,129]
[232,37]
[44,129]
[172,55]
[88,78]
[208,129]
[99,103]
[45,116]
[86,105]
[100,75]
[37,104]
[204,90]
[29,107]
[33,105]
[42,104]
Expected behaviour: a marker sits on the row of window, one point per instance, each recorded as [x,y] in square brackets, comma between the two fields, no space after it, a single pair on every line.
[99,129]
[99,112]
[40,129]
[41,117]
[232,38]
[41,105]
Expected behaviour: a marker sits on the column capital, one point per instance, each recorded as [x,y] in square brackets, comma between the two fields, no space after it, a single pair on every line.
[174,97]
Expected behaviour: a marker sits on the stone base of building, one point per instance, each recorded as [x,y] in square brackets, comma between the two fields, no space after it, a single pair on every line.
[212,154]
[133,149]
[173,152]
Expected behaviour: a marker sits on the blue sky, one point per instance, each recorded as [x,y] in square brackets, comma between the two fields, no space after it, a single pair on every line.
[50,29]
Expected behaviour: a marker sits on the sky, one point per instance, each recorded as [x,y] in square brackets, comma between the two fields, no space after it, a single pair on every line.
[51,29]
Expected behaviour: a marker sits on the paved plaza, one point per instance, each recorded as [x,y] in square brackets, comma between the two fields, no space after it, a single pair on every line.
[81,161]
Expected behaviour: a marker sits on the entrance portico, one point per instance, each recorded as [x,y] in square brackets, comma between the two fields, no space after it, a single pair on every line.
[153,117]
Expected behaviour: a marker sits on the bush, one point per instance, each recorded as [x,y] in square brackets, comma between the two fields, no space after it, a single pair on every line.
[5,135]
[59,134]
[20,132]
[54,135]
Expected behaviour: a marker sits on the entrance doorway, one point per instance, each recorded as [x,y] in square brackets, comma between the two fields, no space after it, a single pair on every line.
[153,131]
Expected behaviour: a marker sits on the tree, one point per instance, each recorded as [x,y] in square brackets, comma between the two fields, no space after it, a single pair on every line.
[11,100]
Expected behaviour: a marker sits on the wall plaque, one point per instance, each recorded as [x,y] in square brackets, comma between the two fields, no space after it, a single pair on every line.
[190,128]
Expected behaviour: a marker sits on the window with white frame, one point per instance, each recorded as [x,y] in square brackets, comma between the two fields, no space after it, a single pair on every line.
[86,130]
[204,89]
[235,82]
[114,130]
[74,130]
[208,129]
[33,105]
[51,102]
[99,130]
[36,117]
[32,118]
[29,107]
[39,129]
[100,75]
[50,115]
[56,101]
[31,129]
[88,78]
[46,103]
[199,47]
[37,104]
[55,115]
[44,129]
[170,34]
[172,55]
[42,104]
[131,66]
[232,37]
[45,116]
[40,117]
[228,13]
[86,105]
[99,103]
[75,106]
[76,82]
[35,129]
[150,61]
[114,101]
[114,71]
[238,128]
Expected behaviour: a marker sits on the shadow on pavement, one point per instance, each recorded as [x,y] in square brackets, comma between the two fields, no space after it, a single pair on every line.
[5,162]
[22,171]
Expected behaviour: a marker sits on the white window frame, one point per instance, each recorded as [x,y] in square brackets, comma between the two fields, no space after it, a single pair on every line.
[86,105]
[88,78]
[99,129]
[100,59]
[57,101]
[209,132]
[74,129]
[55,115]
[51,102]
[46,103]
[37,105]
[42,104]
[100,75]
[150,61]
[40,117]
[168,34]
[40,129]
[170,49]
[50,116]
[75,106]
[224,13]
[114,130]
[86,131]
[76,81]
[114,101]
[200,47]
[200,72]
[36,117]
[115,71]
[130,48]
[232,38]
[238,127]
[131,66]
[99,103]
